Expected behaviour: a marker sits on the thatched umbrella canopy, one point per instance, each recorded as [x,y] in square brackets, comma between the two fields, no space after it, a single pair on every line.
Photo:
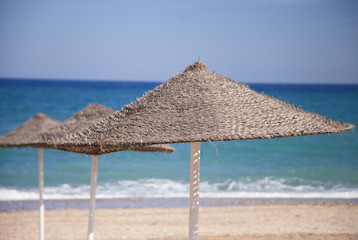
[79,121]
[21,136]
[40,129]
[195,106]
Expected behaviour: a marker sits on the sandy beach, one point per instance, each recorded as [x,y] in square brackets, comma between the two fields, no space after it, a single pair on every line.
[267,221]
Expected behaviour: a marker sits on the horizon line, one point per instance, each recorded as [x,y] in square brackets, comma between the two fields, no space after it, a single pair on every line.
[160,81]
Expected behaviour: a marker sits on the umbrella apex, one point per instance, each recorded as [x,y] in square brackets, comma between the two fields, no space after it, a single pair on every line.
[196,66]
[40,115]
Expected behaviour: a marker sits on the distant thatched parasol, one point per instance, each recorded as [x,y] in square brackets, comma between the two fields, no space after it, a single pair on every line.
[21,136]
[40,129]
[195,106]
[79,121]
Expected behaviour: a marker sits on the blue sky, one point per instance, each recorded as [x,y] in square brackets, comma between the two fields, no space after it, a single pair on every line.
[310,41]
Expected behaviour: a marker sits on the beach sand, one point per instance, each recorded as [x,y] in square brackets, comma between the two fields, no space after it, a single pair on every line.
[256,222]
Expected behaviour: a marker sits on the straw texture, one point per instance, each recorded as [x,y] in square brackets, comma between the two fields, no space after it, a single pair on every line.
[91,114]
[21,136]
[80,120]
[94,150]
[198,105]
[155,148]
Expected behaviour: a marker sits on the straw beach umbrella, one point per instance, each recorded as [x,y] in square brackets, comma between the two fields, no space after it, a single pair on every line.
[79,121]
[21,137]
[195,106]
[40,129]
[93,113]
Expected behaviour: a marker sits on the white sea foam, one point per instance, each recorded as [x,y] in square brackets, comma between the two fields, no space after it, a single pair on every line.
[245,188]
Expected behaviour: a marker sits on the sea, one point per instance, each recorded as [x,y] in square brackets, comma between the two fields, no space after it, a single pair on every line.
[307,167]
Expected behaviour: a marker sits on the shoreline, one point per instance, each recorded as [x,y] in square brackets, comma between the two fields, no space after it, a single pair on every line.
[164,203]
[252,222]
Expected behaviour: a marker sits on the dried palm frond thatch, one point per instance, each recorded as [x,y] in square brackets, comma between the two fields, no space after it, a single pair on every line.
[21,136]
[80,120]
[195,106]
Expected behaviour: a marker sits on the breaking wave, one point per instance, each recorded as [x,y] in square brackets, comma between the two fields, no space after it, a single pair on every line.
[268,187]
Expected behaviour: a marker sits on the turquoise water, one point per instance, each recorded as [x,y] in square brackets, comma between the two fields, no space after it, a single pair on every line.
[320,166]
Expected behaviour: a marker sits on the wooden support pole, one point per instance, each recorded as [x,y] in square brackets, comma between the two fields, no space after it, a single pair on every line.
[194,191]
[41,199]
[92,197]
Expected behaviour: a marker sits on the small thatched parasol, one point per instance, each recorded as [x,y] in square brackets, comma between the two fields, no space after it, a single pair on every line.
[79,121]
[21,137]
[40,129]
[195,106]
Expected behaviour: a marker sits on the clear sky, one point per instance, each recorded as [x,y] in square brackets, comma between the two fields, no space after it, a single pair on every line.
[314,41]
